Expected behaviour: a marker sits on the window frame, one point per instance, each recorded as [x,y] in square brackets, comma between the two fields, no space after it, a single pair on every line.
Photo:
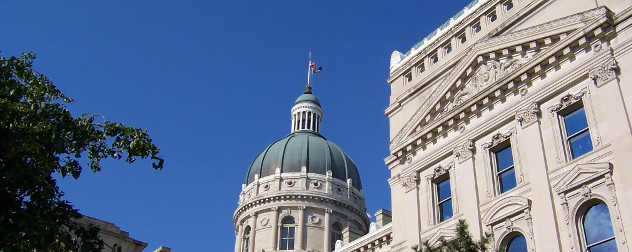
[333,234]
[437,202]
[435,175]
[510,237]
[289,226]
[500,141]
[245,239]
[566,103]
[581,216]
[563,114]
[506,145]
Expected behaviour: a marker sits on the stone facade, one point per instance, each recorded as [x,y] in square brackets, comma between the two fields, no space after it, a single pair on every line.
[488,103]
[113,237]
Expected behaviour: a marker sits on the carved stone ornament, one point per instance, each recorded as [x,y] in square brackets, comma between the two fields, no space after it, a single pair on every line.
[410,181]
[528,115]
[317,184]
[497,139]
[290,183]
[313,219]
[605,72]
[567,100]
[264,222]
[495,40]
[441,170]
[464,151]
[485,76]
[266,187]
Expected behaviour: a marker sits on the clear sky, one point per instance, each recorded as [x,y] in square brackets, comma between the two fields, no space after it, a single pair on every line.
[213,82]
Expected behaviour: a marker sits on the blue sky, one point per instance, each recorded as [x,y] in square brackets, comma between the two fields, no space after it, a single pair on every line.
[213,82]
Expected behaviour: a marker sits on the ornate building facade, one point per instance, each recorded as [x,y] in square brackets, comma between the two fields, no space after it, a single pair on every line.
[302,192]
[514,115]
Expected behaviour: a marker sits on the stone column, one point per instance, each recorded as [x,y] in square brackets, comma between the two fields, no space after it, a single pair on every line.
[253,232]
[301,227]
[327,230]
[239,233]
[275,228]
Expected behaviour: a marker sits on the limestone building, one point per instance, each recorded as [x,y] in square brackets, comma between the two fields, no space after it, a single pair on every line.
[302,192]
[515,116]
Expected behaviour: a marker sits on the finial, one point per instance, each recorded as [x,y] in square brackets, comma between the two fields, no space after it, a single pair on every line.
[308,89]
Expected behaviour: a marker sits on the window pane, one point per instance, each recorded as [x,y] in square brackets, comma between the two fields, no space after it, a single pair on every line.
[575,121]
[445,210]
[504,158]
[443,189]
[609,246]
[291,232]
[580,144]
[284,232]
[507,180]
[283,245]
[290,244]
[597,225]
[517,244]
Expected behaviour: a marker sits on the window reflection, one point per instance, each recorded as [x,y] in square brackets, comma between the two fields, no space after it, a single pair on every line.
[517,244]
[598,232]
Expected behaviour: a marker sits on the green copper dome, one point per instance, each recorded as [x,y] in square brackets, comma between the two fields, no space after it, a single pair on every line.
[300,149]
[307,97]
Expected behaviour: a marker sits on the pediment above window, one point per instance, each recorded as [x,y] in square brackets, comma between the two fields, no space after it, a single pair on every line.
[581,175]
[506,208]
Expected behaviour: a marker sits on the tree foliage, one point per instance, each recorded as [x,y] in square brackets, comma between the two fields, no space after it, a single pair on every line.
[462,242]
[38,138]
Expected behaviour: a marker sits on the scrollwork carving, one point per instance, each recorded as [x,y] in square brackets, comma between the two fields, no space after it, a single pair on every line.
[605,72]
[464,151]
[528,115]
[567,100]
[497,139]
[410,181]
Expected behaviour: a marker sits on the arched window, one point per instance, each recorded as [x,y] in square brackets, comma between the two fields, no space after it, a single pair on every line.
[598,234]
[516,243]
[336,234]
[245,240]
[287,233]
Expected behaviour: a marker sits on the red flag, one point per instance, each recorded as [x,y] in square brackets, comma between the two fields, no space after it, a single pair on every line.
[312,64]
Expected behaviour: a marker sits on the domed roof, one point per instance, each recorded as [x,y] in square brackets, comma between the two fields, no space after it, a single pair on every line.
[307,97]
[307,149]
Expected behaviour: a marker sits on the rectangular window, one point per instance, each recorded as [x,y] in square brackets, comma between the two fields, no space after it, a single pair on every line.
[476,28]
[509,5]
[462,38]
[577,133]
[492,16]
[444,199]
[421,68]
[408,77]
[505,172]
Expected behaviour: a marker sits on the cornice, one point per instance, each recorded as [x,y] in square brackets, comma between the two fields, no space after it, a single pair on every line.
[535,96]
[284,200]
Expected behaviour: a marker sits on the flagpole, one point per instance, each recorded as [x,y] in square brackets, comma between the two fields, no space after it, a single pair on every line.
[309,68]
